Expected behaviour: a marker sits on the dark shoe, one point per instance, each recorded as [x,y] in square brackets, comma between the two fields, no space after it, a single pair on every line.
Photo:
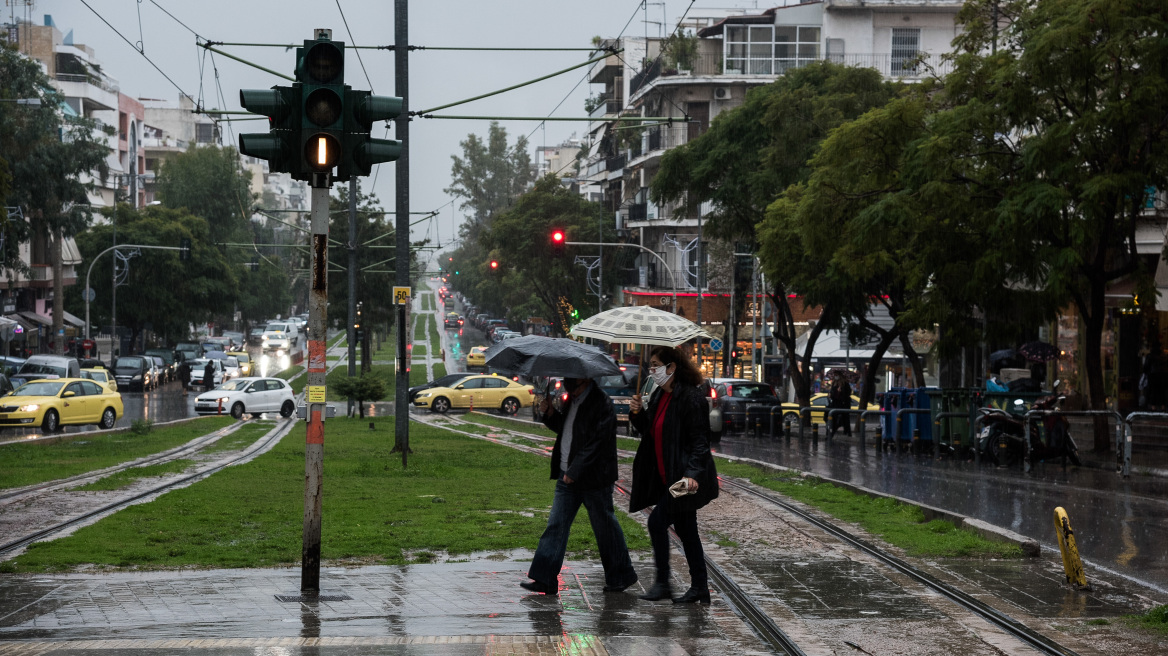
[694,596]
[536,586]
[658,592]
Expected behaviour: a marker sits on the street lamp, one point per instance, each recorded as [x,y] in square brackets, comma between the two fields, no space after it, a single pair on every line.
[672,278]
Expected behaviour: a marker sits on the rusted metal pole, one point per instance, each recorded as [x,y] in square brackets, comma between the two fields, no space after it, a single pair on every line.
[314,441]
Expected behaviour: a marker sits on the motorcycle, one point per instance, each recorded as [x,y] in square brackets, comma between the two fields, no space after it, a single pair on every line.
[1003,437]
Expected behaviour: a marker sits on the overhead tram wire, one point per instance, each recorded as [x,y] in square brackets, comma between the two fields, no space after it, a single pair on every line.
[164,10]
[353,43]
[131,44]
[586,73]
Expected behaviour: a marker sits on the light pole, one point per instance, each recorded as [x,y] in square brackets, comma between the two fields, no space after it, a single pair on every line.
[90,273]
[672,278]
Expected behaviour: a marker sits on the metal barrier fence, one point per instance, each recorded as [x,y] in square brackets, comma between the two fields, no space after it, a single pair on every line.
[760,421]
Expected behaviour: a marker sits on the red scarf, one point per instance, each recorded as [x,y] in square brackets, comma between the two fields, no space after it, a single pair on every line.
[658,425]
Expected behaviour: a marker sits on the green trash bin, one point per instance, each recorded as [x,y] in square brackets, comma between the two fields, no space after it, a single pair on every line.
[954,431]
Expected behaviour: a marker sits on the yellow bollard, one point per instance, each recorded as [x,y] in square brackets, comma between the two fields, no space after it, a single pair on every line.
[1072,565]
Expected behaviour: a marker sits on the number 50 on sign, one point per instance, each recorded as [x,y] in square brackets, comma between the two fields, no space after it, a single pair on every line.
[401,295]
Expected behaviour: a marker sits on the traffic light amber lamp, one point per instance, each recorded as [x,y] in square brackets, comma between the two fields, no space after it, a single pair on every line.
[321,152]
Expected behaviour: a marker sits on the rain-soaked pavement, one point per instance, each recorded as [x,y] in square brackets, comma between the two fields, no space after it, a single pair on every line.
[452,608]
[1121,524]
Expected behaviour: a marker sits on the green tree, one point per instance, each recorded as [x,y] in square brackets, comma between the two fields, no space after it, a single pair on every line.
[160,292]
[1069,113]
[490,175]
[48,156]
[376,260]
[748,157]
[208,181]
[531,280]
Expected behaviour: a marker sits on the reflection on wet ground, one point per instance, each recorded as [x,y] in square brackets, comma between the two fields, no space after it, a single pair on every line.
[1120,524]
[836,589]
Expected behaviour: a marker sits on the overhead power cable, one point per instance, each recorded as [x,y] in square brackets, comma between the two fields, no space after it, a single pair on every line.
[155,3]
[353,44]
[510,88]
[287,46]
[131,44]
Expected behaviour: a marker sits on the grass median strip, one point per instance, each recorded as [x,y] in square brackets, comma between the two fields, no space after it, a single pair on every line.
[459,496]
[127,477]
[290,372]
[898,524]
[77,453]
[505,422]
[1156,619]
[242,438]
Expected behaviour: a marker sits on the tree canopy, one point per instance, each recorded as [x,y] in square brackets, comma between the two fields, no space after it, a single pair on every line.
[208,181]
[490,174]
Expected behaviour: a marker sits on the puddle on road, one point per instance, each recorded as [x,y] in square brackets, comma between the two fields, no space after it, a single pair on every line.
[838,589]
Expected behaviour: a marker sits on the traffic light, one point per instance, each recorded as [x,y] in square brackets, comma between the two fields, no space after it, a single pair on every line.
[494,265]
[282,107]
[558,240]
[361,151]
[320,70]
[184,255]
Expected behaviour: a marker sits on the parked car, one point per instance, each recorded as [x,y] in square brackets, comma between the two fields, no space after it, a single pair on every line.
[134,372]
[443,381]
[42,367]
[10,364]
[216,344]
[199,366]
[734,396]
[484,392]
[51,404]
[248,396]
[818,416]
[103,376]
[245,363]
[160,375]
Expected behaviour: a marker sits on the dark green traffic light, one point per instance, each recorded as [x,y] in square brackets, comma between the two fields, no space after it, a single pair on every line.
[279,145]
[320,70]
[362,151]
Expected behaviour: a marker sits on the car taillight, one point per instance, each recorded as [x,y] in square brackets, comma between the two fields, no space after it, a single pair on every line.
[564,398]
[559,384]
[531,391]
[729,390]
[713,393]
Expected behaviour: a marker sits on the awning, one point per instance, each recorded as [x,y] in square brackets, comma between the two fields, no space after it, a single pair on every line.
[73,319]
[1149,238]
[70,254]
[36,319]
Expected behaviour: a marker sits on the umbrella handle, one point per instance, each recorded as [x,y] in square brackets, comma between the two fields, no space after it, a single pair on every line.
[640,368]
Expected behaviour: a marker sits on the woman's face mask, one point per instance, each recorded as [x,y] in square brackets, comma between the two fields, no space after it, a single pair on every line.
[660,375]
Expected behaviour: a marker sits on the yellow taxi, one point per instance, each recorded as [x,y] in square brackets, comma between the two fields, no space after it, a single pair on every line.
[485,392]
[102,376]
[820,400]
[245,364]
[476,357]
[51,404]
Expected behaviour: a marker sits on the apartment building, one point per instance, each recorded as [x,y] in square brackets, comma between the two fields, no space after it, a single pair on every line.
[693,79]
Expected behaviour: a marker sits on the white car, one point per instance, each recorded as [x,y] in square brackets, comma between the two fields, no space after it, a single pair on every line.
[199,368]
[231,368]
[248,396]
[279,337]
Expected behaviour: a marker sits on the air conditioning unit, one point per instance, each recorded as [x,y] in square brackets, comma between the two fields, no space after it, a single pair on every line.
[722,93]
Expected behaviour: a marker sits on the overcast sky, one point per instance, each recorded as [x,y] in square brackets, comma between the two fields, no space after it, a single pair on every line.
[436,77]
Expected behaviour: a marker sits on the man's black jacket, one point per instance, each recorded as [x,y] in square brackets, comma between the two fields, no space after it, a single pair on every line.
[592,458]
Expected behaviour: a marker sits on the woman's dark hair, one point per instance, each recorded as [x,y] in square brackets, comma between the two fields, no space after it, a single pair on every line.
[686,372]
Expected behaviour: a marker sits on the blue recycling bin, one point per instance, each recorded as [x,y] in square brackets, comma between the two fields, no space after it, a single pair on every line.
[895,399]
[922,400]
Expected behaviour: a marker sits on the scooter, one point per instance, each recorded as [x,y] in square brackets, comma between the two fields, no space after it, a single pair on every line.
[1003,437]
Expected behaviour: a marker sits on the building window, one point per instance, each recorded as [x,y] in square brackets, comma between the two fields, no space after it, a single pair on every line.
[769,49]
[906,45]
[204,133]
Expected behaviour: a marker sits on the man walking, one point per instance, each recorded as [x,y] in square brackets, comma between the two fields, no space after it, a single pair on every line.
[209,376]
[184,375]
[584,468]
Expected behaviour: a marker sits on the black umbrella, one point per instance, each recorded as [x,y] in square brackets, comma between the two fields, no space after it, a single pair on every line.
[534,355]
[1038,351]
[1004,354]
[847,374]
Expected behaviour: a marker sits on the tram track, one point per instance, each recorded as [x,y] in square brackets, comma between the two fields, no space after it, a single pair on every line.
[751,611]
[269,439]
[190,448]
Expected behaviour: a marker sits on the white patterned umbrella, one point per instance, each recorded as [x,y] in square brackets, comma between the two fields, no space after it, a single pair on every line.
[638,325]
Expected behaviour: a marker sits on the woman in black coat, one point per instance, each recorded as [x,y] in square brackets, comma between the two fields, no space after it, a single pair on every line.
[674,447]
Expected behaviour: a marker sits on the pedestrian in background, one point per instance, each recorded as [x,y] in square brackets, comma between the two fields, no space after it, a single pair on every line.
[840,397]
[674,458]
[209,375]
[584,468]
[184,375]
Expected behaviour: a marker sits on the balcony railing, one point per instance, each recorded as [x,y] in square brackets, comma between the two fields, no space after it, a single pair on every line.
[606,105]
[666,137]
[614,163]
[919,66]
[98,82]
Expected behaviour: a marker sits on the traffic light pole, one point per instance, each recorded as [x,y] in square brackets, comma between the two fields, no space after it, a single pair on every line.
[352,246]
[314,439]
[402,221]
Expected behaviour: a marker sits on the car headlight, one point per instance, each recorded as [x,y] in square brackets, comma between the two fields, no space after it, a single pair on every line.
[223,399]
[28,408]
[138,377]
[424,395]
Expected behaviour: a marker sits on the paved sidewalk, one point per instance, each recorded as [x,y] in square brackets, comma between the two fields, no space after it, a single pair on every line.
[451,608]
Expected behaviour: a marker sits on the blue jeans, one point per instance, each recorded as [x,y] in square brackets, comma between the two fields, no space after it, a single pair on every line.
[610,539]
